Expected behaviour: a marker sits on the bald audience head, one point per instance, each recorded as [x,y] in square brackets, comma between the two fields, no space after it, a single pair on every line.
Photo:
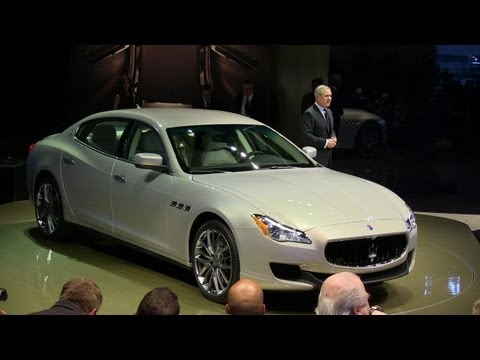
[343,294]
[245,297]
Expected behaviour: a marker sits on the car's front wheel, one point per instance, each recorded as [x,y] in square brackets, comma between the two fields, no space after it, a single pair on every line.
[216,265]
[49,210]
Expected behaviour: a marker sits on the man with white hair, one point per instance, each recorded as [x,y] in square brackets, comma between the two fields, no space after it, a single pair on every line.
[318,129]
[344,294]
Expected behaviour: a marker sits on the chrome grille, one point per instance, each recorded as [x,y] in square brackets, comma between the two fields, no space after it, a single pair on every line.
[366,251]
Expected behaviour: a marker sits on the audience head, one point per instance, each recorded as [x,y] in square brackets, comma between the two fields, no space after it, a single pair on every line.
[245,297]
[159,301]
[343,294]
[83,292]
[476,308]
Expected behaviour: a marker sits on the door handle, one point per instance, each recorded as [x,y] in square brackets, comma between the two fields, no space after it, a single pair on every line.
[120,178]
[68,161]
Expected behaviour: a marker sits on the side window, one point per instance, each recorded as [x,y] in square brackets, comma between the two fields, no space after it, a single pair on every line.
[146,140]
[183,142]
[103,135]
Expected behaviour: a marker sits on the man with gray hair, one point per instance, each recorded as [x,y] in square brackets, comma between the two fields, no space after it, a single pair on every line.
[344,294]
[318,129]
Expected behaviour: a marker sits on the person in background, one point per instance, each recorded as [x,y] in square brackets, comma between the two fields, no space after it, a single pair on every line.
[159,301]
[124,95]
[309,98]
[79,296]
[318,130]
[344,294]
[245,297]
[247,103]
[206,100]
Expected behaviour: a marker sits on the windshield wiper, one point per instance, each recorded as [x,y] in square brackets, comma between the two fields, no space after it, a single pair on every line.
[282,167]
[211,171]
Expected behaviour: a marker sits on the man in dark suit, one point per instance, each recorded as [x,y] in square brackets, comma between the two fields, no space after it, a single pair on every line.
[206,100]
[318,130]
[309,98]
[249,104]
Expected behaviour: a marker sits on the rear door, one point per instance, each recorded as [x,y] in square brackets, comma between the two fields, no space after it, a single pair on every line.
[87,171]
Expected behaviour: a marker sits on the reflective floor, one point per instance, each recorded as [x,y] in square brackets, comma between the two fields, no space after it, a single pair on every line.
[445,279]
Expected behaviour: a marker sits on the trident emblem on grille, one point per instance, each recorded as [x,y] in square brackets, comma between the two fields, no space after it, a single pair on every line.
[372,251]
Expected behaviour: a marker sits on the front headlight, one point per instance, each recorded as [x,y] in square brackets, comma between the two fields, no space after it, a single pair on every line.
[410,222]
[279,232]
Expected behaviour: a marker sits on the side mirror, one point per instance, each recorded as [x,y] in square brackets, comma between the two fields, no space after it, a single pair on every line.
[310,151]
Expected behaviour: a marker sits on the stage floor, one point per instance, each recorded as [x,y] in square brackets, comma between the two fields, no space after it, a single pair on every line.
[33,270]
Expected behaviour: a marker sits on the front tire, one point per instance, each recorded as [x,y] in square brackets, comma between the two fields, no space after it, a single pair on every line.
[49,210]
[215,260]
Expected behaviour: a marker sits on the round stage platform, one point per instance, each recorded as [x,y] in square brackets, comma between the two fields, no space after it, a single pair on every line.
[33,270]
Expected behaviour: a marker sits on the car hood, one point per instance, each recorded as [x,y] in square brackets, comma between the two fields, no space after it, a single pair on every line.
[307,198]
[359,114]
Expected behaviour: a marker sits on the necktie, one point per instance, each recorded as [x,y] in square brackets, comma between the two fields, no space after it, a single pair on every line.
[327,119]
[247,105]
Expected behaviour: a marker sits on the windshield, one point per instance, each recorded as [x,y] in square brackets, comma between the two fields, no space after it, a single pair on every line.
[218,148]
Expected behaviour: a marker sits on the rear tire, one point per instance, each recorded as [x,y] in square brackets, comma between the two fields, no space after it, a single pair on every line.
[215,260]
[49,210]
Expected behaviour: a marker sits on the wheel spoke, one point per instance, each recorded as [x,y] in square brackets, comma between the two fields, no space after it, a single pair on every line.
[213,262]
[48,208]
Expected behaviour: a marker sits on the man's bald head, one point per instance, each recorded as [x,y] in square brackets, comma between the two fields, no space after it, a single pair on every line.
[343,294]
[245,297]
[337,283]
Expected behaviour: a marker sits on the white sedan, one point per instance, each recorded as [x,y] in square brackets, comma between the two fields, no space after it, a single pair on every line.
[222,194]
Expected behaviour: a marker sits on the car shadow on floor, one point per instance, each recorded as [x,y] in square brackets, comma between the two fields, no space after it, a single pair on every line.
[80,238]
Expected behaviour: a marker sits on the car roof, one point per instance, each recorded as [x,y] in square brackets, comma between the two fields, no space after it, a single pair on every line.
[173,117]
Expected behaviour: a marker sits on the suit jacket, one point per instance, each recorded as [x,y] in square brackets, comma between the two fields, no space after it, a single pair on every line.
[200,104]
[316,133]
[256,110]
[61,307]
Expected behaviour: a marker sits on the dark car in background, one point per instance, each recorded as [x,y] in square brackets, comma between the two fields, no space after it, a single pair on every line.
[363,131]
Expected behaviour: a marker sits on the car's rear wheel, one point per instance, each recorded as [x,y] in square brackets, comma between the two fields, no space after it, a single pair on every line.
[369,141]
[49,210]
[216,265]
